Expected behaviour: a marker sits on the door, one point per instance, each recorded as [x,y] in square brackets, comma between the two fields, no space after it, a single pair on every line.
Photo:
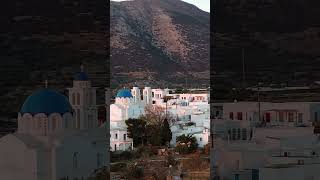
[268,117]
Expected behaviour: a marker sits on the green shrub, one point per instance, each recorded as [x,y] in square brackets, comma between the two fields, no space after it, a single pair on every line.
[186,144]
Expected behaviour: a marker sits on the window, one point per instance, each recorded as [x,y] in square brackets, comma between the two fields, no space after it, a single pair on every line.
[66,123]
[75,160]
[300,162]
[200,139]
[281,116]
[115,147]
[239,134]
[78,99]
[124,137]
[268,117]
[239,115]
[244,134]
[116,136]
[73,98]
[231,115]
[40,123]
[290,117]
[300,115]
[54,123]
[234,132]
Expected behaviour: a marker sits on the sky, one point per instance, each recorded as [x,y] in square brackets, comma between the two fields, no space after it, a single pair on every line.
[201,4]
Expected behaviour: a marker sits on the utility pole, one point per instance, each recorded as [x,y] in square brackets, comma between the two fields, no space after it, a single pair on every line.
[243,69]
[259,102]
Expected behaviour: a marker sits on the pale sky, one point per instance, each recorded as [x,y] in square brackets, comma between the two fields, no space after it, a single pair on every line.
[201,4]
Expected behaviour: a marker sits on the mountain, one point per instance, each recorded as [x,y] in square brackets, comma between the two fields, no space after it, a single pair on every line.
[280,38]
[159,43]
[42,40]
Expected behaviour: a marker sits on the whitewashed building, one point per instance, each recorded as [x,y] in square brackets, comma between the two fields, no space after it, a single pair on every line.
[51,143]
[125,107]
[286,113]
[185,108]
[270,154]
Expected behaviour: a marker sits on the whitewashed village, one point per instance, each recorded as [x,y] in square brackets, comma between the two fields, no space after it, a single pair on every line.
[58,137]
[259,140]
[186,108]
[189,114]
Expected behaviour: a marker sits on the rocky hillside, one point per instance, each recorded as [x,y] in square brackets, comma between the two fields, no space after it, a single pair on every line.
[159,43]
[280,38]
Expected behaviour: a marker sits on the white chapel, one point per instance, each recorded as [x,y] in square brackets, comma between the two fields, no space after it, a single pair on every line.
[56,139]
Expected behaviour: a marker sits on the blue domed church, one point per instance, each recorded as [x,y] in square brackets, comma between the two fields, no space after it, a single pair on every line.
[127,105]
[57,137]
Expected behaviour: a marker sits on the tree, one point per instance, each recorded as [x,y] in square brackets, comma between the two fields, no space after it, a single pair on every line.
[186,144]
[166,133]
[158,125]
[156,115]
[154,135]
[136,129]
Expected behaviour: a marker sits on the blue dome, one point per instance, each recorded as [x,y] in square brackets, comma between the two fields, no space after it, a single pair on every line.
[46,101]
[81,76]
[124,93]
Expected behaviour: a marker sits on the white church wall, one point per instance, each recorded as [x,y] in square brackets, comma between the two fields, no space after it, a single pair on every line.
[16,157]
[77,157]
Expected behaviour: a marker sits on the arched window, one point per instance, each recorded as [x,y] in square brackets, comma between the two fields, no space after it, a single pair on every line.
[66,123]
[75,160]
[39,123]
[34,123]
[73,99]
[54,123]
[78,99]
